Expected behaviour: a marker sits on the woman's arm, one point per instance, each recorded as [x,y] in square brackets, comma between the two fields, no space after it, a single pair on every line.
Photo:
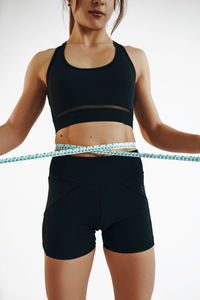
[28,108]
[170,139]
[9,138]
[154,131]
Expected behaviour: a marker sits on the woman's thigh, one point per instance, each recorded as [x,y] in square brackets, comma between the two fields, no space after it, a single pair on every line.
[68,279]
[133,274]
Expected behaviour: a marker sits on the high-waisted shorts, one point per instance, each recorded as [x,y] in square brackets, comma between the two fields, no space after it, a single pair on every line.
[90,193]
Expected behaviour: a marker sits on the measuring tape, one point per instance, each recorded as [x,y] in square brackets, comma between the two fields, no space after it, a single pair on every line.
[99,149]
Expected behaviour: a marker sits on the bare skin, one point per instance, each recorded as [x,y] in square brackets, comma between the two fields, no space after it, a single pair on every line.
[68,279]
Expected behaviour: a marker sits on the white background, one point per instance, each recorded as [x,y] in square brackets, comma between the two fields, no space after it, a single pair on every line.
[168,32]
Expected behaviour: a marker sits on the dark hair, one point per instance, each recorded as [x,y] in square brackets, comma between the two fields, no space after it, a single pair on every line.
[121,3]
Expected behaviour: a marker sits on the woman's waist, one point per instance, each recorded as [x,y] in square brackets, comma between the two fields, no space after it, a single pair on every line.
[96,133]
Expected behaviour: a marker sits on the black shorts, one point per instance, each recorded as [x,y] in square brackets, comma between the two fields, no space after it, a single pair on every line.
[91,193]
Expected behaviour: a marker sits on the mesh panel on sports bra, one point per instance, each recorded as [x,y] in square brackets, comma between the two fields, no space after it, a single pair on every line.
[91,106]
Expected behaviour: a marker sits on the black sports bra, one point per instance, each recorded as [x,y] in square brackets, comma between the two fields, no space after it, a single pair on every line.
[78,95]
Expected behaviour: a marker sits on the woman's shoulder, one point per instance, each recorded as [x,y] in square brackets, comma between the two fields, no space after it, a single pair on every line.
[43,59]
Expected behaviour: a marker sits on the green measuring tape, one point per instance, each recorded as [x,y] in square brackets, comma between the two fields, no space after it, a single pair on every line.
[99,149]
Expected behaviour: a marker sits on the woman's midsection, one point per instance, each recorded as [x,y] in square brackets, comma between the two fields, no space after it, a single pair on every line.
[95,133]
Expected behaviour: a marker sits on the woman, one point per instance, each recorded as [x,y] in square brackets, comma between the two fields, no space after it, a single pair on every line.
[94,85]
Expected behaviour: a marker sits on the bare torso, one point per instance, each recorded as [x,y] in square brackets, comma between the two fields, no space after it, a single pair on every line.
[91,133]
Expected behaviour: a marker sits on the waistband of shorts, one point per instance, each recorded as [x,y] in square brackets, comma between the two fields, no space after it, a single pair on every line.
[94,170]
